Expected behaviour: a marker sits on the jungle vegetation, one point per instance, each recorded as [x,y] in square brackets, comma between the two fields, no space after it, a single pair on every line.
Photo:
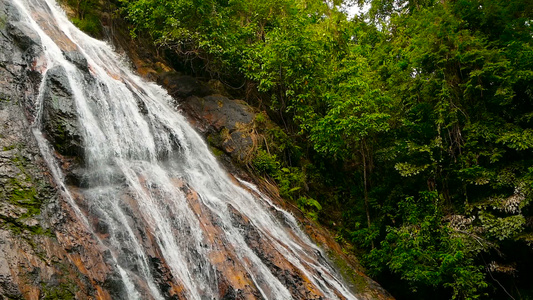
[408,129]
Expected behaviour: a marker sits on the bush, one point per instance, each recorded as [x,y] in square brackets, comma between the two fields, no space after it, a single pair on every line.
[90,25]
[264,163]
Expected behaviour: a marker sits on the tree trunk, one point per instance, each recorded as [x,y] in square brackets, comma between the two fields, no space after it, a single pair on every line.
[365,184]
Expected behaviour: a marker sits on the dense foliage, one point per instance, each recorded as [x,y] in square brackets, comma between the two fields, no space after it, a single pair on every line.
[408,130]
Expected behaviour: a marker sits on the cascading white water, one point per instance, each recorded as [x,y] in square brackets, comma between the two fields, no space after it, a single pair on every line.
[150,179]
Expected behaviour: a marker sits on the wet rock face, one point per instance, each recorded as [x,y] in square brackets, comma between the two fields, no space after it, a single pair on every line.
[22,63]
[182,86]
[283,270]
[23,35]
[59,114]
[226,123]
[221,112]
[38,230]
[77,59]
[19,47]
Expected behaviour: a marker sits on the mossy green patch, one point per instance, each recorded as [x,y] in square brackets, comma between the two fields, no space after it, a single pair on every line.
[217,152]
[348,273]
[3,22]
[7,148]
[66,287]
[63,290]
[23,191]
[215,142]
[17,227]
[61,137]
[25,196]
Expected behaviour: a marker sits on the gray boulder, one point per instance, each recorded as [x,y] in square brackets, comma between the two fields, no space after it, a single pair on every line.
[59,114]
[226,123]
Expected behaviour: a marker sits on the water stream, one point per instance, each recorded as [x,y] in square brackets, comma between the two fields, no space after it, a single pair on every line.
[154,195]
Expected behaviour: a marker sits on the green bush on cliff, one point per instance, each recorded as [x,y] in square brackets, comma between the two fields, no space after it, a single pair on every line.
[86,15]
[265,163]
[90,25]
[289,179]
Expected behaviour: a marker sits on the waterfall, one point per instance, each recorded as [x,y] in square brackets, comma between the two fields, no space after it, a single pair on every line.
[172,220]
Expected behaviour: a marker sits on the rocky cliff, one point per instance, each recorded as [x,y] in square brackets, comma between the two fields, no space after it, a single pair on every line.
[47,252]
[44,252]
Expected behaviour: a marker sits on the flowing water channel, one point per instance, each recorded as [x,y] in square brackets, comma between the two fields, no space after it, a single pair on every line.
[156,198]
